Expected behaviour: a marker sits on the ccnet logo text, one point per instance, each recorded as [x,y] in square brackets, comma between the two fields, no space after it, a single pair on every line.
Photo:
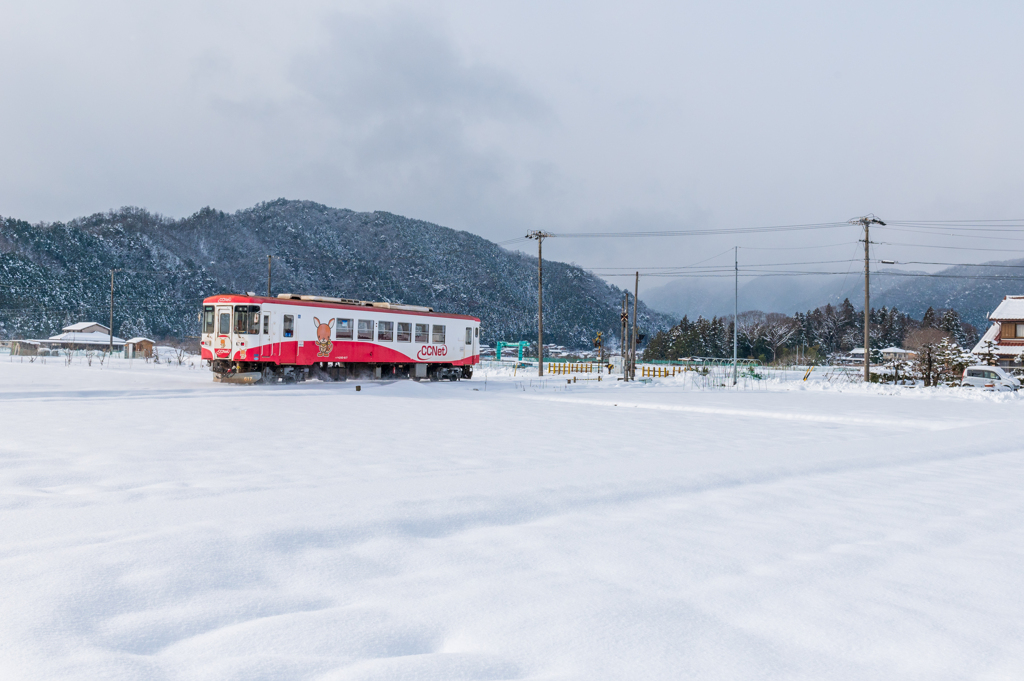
[432,351]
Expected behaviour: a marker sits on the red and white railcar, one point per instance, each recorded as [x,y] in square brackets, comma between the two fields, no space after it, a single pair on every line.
[291,338]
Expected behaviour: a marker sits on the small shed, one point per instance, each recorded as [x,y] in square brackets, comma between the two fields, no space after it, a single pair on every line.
[138,347]
[26,348]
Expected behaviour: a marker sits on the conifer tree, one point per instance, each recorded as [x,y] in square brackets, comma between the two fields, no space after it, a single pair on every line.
[928,321]
[950,323]
[987,354]
[951,360]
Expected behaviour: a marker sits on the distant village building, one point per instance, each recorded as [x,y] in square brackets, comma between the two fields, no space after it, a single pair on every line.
[86,327]
[78,336]
[855,357]
[891,353]
[85,336]
[1005,337]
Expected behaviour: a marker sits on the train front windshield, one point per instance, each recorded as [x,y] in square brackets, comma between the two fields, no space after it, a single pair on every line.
[247,319]
[208,324]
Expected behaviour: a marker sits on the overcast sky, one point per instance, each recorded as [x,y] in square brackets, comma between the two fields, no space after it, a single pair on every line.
[502,117]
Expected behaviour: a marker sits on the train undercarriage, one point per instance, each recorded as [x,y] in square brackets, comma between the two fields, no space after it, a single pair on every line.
[259,372]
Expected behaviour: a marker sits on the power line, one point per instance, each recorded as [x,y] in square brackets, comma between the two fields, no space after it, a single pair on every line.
[952,248]
[962,236]
[959,223]
[671,268]
[511,241]
[795,248]
[954,264]
[922,226]
[701,232]
[789,273]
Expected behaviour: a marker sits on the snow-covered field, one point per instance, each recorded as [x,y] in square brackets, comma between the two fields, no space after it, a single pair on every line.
[154,525]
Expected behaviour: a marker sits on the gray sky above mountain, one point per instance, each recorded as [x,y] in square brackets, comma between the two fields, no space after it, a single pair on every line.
[502,117]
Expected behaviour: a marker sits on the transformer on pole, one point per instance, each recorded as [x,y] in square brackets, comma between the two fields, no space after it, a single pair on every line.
[866,222]
[540,236]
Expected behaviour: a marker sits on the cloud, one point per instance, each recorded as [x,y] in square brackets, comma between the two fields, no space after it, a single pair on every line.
[375,69]
[404,119]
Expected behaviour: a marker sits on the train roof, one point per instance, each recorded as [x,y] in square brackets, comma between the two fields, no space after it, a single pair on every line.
[337,303]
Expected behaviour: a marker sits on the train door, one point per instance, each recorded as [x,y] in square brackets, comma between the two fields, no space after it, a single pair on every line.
[467,347]
[222,337]
[266,346]
[289,339]
[272,324]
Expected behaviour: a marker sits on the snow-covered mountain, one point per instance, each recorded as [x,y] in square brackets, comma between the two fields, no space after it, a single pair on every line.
[58,273]
[972,291]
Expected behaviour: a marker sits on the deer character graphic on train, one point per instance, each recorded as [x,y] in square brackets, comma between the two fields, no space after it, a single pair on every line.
[323,337]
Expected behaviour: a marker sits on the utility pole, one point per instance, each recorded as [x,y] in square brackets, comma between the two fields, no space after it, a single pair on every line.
[540,236]
[111,348]
[624,327]
[268,276]
[736,314]
[633,360]
[866,222]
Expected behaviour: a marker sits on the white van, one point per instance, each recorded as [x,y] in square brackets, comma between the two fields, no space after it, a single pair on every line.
[989,378]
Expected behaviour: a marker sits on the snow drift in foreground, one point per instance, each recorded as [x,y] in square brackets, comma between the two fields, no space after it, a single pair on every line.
[158,526]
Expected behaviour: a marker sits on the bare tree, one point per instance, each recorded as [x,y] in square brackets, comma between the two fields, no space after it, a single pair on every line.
[751,326]
[778,329]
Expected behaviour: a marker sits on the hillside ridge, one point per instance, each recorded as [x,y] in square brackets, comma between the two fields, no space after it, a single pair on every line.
[53,274]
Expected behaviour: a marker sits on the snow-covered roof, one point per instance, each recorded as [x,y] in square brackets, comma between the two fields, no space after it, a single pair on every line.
[999,349]
[1012,307]
[893,350]
[84,326]
[91,338]
[139,339]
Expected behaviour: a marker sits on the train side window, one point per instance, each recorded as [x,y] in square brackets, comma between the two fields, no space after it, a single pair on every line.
[254,319]
[365,329]
[343,329]
[241,318]
[404,332]
[289,326]
[386,331]
[438,333]
[225,323]
[476,332]
[208,319]
[266,324]
[423,333]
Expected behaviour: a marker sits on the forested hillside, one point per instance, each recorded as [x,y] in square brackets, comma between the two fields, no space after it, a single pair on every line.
[972,291]
[58,273]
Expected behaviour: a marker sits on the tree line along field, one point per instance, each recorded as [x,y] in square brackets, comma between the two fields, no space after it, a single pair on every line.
[819,334]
